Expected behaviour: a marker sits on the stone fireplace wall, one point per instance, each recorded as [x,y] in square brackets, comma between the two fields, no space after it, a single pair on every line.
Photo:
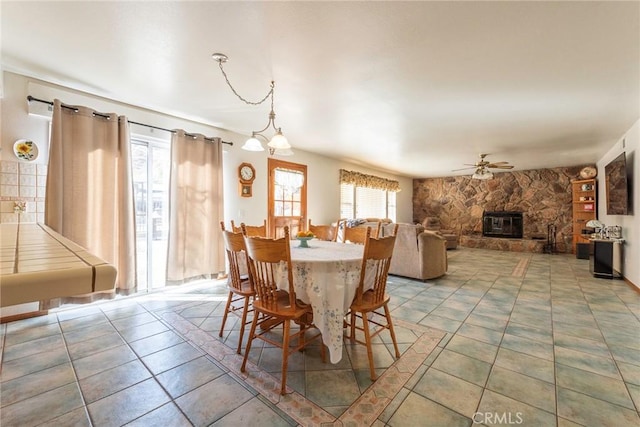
[542,195]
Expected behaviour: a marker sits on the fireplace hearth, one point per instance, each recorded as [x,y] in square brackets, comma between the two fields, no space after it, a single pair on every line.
[502,224]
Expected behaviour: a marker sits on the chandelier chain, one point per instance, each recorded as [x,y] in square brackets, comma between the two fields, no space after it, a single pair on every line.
[270,93]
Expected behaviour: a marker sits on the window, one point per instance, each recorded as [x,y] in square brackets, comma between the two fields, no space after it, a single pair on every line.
[363,202]
[367,196]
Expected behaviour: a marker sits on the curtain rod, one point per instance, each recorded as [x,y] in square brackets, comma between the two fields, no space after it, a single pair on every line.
[31,98]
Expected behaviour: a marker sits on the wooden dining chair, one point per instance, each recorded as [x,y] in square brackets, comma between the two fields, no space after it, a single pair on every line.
[275,306]
[240,286]
[358,234]
[252,230]
[324,232]
[365,306]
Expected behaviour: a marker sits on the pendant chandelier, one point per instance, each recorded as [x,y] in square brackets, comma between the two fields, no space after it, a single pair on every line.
[278,144]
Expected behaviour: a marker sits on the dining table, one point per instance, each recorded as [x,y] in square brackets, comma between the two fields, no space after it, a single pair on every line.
[326,276]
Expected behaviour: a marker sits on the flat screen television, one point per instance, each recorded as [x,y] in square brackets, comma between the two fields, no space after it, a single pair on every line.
[617,186]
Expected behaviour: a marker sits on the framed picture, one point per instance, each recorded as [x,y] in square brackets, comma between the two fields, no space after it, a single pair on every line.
[245,190]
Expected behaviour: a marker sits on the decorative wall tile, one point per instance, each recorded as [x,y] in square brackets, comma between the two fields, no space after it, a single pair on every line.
[9,190]
[30,207]
[22,181]
[29,180]
[8,178]
[8,217]
[27,168]
[6,207]
[27,191]
[7,166]
[28,217]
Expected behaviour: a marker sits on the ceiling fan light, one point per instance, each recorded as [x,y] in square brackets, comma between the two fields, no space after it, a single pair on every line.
[279,142]
[253,144]
[482,175]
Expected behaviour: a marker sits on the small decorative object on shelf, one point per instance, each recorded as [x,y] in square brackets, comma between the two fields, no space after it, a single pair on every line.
[588,172]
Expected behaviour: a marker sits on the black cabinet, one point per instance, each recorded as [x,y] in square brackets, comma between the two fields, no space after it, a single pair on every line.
[606,259]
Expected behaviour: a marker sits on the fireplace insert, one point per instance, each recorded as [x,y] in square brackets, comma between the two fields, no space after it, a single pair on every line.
[502,224]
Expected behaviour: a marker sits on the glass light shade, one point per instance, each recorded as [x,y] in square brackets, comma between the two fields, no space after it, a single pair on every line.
[482,175]
[279,142]
[253,144]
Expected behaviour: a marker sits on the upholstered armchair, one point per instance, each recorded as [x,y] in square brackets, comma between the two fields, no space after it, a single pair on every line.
[418,253]
[433,224]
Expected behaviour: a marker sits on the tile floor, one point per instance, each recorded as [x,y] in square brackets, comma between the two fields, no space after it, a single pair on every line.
[503,339]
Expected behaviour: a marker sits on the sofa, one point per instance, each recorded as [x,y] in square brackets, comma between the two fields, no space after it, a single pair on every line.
[418,253]
[360,222]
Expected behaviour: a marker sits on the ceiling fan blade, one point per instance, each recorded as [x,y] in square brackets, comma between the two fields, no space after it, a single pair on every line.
[483,165]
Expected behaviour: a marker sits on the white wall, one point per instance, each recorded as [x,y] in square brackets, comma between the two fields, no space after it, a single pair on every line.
[630,223]
[323,173]
[323,189]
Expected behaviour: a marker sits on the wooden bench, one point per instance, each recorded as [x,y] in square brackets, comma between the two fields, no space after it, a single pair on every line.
[39,264]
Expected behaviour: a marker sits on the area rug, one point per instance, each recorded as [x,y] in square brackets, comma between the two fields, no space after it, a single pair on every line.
[363,411]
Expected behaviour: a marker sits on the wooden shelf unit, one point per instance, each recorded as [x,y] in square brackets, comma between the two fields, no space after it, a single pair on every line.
[585,208]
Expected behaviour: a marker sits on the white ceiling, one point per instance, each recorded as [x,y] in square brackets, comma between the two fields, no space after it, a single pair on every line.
[415,88]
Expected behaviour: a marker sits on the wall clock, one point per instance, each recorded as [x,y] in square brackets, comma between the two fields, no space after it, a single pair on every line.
[246,175]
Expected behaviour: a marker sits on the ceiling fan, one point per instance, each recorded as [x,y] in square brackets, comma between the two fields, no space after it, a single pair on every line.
[482,167]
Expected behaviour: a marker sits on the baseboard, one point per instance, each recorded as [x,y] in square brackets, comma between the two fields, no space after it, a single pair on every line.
[631,284]
[21,316]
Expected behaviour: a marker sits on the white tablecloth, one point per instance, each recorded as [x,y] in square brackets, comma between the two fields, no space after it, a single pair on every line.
[326,275]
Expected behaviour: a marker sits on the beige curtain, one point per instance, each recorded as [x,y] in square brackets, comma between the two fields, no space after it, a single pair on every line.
[89,187]
[195,208]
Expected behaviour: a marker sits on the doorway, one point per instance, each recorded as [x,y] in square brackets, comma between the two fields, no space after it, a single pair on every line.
[287,197]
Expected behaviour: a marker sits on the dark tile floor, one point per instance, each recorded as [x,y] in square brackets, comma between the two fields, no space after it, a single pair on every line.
[526,339]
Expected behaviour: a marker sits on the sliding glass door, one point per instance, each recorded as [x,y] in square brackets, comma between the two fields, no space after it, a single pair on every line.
[151,165]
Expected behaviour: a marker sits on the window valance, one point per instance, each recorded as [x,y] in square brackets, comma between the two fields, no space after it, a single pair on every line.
[369,181]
